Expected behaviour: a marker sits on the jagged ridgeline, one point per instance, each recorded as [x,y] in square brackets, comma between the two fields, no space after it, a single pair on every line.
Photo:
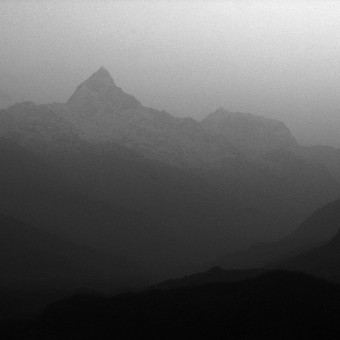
[151,190]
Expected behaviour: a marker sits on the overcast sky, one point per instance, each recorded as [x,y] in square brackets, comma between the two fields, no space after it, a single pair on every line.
[274,58]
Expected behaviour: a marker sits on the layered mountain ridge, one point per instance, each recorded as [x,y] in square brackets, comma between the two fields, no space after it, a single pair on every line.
[163,190]
[104,112]
[100,111]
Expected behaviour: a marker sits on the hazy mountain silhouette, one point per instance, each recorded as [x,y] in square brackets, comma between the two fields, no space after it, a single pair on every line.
[102,192]
[283,186]
[106,171]
[102,111]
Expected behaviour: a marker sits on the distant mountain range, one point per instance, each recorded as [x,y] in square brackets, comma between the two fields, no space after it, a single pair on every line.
[154,190]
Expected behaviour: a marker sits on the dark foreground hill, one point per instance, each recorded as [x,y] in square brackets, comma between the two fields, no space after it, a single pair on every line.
[276,305]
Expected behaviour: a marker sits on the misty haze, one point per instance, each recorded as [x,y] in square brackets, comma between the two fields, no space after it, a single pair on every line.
[169,169]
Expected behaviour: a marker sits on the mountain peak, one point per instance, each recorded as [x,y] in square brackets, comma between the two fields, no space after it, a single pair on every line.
[99,93]
[101,73]
[100,79]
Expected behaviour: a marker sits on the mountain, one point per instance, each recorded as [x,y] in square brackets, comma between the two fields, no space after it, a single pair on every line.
[322,225]
[99,95]
[250,158]
[96,105]
[187,214]
[34,191]
[31,259]
[273,171]
[103,112]
[102,192]
[199,214]
[44,129]
[82,205]
[317,230]
[281,185]
[250,133]
[107,171]
[324,260]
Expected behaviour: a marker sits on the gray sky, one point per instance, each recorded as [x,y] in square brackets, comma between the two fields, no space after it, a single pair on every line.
[274,58]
